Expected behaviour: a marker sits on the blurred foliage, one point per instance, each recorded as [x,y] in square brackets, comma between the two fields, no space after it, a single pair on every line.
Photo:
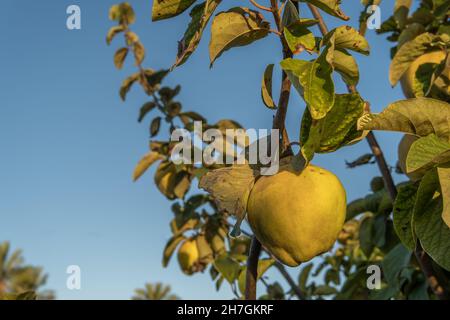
[157,291]
[19,281]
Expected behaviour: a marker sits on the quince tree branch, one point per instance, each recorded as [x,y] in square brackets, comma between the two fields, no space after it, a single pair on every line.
[278,123]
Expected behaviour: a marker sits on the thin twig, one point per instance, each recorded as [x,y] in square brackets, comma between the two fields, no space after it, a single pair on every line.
[421,256]
[278,33]
[256,4]
[252,269]
[382,165]
[426,265]
[315,12]
[295,288]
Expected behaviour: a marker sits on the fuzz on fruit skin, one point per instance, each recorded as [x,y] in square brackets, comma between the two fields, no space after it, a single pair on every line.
[297,216]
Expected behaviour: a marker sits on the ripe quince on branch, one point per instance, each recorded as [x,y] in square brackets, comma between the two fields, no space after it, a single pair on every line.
[297,216]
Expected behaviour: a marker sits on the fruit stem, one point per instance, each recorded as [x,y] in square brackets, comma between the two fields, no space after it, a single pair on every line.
[422,257]
[252,269]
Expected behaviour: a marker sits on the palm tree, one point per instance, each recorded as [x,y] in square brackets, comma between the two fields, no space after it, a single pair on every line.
[156,291]
[17,278]
[8,265]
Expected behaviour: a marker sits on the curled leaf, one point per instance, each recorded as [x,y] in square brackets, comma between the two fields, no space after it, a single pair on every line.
[234,28]
[230,188]
[119,57]
[145,163]
[331,7]
[419,116]
[164,9]
[266,87]
[200,15]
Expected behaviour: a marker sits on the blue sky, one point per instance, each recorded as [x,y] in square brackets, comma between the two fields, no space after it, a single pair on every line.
[69,144]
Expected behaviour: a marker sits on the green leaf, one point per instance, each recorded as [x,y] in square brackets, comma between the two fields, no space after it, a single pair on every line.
[119,57]
[145,163]
[170,248]
[234,28]
[266,88]
[164,9]
[315,79]
[324,290]
[409,52]
[394,262]
[433,233]
[401,10]
[290,14]
[304,22]
[426,153]
[379,231]
[353,284]
[409,33]
[155,78]
[444,179]
[366,230]
[28,295]
[338,128]
[419,116]
[420,291]
[227,267]
[346,66]
[303,276]
[329,6]
[385,293]
[200,15]
[428,187]
[403,214]
[275,292]
[332,275]
[293,69]
[346,37]
[299,38]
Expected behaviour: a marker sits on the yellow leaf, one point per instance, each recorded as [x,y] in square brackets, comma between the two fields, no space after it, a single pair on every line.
[145,163]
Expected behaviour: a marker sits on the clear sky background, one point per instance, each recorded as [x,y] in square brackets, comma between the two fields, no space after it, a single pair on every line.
[68,144]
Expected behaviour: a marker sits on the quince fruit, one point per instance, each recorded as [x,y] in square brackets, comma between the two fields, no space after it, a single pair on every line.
[297,216]
[408,80]
[188,256]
